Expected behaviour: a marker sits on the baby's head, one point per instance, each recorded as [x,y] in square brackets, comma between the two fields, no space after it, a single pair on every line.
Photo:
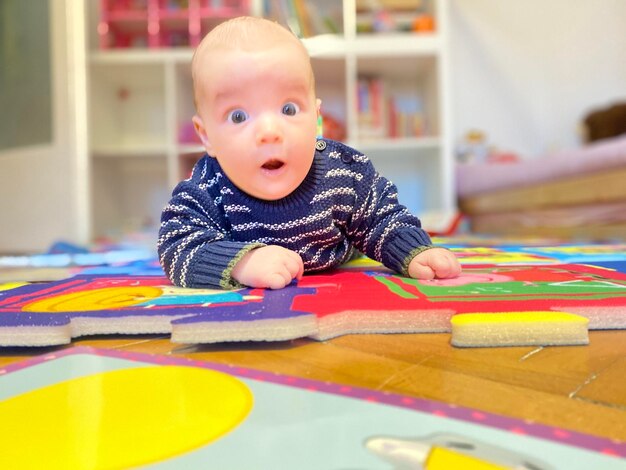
[256,110]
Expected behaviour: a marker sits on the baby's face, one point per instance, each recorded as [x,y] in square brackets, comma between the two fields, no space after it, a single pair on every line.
[257,114]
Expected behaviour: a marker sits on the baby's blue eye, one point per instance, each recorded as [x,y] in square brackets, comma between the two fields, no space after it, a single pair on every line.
[237,116]
[290,109]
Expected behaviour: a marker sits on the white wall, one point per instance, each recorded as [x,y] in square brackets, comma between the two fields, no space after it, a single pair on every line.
[526,72]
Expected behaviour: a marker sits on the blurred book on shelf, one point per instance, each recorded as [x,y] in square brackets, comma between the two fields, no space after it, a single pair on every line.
[371,107]
[383,113]
[406,116]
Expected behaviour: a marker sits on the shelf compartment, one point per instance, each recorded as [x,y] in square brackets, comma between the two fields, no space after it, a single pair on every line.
[416,171]
[396,98]
[127,107]
[128,195]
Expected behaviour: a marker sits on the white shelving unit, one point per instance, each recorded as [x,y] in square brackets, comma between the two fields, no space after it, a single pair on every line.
[140,99]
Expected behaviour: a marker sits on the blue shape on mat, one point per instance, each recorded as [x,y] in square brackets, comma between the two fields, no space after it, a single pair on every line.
[618,266]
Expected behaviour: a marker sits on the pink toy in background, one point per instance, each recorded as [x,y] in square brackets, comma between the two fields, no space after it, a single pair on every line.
[162,23]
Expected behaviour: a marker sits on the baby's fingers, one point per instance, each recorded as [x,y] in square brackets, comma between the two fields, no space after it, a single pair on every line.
[277,280]
[294,265]
[421,271]
[446,266]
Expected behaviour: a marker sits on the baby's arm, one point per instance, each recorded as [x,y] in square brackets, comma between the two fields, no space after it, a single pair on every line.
[434,263]
[196,247]
[268,266]
[385,230]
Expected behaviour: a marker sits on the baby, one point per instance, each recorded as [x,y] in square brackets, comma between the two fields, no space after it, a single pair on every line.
[269,201]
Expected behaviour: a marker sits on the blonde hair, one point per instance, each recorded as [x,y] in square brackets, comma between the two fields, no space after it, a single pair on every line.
[247,33]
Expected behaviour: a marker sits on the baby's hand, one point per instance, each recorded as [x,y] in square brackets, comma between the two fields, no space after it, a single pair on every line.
[434,263]
[269,266]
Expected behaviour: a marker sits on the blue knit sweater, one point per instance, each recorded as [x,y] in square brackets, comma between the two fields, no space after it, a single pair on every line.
[342,204]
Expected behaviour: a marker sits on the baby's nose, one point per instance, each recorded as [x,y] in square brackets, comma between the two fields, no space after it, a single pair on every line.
[268,130]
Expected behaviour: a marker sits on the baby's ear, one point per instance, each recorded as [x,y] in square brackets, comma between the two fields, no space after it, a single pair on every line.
[198,125]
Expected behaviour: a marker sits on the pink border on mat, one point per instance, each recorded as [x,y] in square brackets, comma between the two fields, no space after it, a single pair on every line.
[598,444]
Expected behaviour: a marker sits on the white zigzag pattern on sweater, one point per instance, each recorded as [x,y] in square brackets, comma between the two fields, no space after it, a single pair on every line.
[182,210]
[339,172]
[174,233]
[388,230]
[292,223]
[183,271]
[236,208]
[357,157]
[179,249]
[369,209]
[188,197]
[210,183]
[205,168]
[331,259]
[295,238]
[333,192]
[166,237]
[365,210]
[322,244]
[389,224]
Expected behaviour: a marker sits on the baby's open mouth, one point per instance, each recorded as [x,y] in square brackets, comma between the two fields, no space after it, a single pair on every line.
[272,164]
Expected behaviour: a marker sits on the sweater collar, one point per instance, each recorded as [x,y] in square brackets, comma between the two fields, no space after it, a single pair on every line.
[303,194]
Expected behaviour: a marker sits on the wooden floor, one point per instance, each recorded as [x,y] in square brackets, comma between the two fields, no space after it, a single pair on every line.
[582,388]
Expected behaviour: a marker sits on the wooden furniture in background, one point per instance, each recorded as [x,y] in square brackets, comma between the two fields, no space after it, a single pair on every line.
[585,206]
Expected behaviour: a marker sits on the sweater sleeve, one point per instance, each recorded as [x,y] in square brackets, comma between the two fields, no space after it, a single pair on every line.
[381,227]
[195,247]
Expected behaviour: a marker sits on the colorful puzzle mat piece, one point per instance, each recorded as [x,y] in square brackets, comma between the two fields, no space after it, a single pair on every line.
[178,413]
[361,299]
[537,254]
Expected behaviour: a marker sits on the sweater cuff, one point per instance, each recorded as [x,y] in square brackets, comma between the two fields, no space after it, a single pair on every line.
[399,251]
[213,266]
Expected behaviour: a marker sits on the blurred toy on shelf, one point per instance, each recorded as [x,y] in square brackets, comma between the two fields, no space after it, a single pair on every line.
[383,21]
[187,134]
[474,148]
[384,16]
[424,23]
[332,128]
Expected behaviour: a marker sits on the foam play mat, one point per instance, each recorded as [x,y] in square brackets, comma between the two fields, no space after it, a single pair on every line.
[517,295]
[89,408]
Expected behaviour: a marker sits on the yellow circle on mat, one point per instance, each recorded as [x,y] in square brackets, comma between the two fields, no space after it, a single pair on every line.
[120,419]
[97,299]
